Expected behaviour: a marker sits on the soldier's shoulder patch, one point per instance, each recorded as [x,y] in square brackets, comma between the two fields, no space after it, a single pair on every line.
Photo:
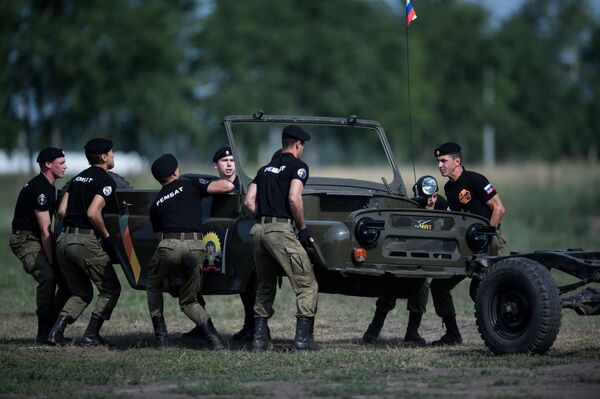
[41,199]
[464,196]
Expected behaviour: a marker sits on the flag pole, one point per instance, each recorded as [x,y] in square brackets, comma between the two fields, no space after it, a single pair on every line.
[409,19]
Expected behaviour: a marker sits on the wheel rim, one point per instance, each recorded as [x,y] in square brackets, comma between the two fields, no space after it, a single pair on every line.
[510,311]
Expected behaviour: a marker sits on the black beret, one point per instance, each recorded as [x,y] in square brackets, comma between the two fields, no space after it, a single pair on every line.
[164,166]
[447,149]
[49,154]
[98,146]
[295,132]
[222,152]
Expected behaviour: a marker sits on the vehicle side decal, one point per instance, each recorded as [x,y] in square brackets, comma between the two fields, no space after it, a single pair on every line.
[134,263]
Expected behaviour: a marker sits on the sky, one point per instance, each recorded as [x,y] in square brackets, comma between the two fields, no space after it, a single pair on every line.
[500,8]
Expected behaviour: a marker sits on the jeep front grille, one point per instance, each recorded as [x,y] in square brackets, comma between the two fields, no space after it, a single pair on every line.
[423,248]
[422,222]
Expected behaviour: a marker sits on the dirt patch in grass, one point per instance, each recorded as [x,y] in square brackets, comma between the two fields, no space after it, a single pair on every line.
[563,381]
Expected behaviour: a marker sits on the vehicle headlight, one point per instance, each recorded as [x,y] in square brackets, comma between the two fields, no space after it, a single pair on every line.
[479,236]
[367,231]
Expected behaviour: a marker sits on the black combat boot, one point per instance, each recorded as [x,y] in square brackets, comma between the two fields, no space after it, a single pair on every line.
[304,339]
[45,325]
[160,331]
[372,334]
[247,331]
[91,336]
[412,336]
[262,335]
[56,336]
[213,337]
[452,336]
[194,334]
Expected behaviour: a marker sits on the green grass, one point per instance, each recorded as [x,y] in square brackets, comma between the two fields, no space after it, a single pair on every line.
[561,209]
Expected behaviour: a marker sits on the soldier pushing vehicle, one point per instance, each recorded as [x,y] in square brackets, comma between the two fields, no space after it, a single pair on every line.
[469,192]
[426,194]
[83,244]
[275,197]
[32,240]
[176,214]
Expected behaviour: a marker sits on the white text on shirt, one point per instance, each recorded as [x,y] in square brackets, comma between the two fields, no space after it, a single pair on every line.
[169,196]
[275,170]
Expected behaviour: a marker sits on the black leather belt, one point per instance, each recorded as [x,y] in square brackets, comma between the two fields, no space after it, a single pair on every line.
[15,231]
[79,230]
[273,219]
[183,236]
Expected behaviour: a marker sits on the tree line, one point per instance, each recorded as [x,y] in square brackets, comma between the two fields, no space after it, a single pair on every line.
[160,75]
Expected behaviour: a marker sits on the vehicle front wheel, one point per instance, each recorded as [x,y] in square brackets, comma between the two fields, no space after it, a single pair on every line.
[517,307]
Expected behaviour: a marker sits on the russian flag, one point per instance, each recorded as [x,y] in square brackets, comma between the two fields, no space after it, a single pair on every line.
[489,188]
[410,13]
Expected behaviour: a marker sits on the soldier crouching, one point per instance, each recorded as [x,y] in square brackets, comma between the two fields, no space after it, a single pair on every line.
[176,215]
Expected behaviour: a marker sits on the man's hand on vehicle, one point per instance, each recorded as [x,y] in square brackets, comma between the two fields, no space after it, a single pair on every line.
[305,238]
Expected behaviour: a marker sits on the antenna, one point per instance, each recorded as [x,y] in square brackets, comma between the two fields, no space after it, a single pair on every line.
[412,147]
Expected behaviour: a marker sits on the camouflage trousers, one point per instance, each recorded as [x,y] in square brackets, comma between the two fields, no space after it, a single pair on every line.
[184,258]
[83,261]
[416,301]
[51,291]
[276,244]
[442,298]
[502,244]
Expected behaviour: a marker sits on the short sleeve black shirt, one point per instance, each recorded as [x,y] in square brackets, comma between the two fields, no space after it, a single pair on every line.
[37,195]
[441,203]
[177,207]
[218,198]
[273,183]
[470,193]
[82,190]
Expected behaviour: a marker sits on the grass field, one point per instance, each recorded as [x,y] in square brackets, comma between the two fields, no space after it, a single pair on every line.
[548,207]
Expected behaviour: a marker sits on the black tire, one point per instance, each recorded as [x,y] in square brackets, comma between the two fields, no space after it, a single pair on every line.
[517,307]
[473,288]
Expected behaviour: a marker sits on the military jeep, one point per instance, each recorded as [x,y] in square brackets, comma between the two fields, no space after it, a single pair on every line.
[371,239]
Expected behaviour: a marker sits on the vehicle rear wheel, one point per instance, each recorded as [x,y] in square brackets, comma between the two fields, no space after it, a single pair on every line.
[517,307]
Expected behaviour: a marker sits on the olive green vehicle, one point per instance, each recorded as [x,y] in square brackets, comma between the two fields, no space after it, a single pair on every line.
[371,238]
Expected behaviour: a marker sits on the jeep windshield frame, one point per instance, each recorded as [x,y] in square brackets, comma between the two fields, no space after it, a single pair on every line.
[339,185]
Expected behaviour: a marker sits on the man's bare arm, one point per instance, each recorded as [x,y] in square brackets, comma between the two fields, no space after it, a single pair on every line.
[220,186]
[498,210]
[94,213]
[62,208]
[44,221]
[296,203]
[250,200]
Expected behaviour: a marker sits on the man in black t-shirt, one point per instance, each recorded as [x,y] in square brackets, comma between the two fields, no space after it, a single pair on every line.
[466,191]
[425,191]
[83,244]
[32,240]
[275,197]
[224,162]
[176,214]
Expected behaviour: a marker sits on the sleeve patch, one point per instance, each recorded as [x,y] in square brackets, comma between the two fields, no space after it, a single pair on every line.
[107,190]
[302,173]
[42,200]
[203,181]
[489,188]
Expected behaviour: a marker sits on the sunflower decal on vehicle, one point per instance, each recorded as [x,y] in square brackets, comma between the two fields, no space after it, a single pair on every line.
[212,244]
